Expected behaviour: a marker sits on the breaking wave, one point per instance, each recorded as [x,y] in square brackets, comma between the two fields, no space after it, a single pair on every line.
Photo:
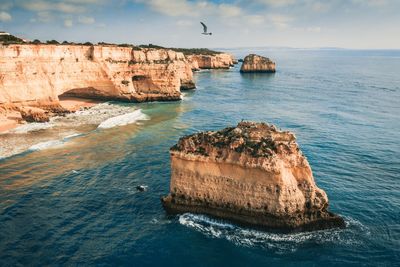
[124,119]
[46,145]
[52,143]
[278,242]
[31,127]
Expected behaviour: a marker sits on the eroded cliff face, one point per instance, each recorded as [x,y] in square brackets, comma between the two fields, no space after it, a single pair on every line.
[217,61]
[37,73]
[252,174]
[256,63]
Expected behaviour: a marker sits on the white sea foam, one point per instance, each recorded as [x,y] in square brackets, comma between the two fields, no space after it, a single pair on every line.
[278,242]
[31,127]
[46,145]
[124,119]
[72,136]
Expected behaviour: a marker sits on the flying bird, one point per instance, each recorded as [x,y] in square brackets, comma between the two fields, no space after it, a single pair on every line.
[205,29]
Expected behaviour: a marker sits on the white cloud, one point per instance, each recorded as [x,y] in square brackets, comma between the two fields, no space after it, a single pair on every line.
[314,29]
[68,23]
[187,8]
[44,16]
[320,7]
[280,21]
[4,16]
[170,7]
[184,23]
[227,10]
[255,19]
[277,3]
[86,20]
[374,3]
[45,5]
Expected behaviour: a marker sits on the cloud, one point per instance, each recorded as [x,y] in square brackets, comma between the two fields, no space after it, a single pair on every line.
[320,7]
[68,23]
[4,16]
[255,19]
[277,3]
[314,29]
[175,8]
[373,3]
[86,20]
[280,21]
[228,10]
[184,23]
[170,7]
[44,5]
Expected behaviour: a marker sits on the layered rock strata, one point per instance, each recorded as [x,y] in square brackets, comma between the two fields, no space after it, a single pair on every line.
[43,72]
[217,61]
[252,174]
[256,63]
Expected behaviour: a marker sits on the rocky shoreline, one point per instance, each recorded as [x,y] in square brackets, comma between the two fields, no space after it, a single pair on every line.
[33,77]
[252,174]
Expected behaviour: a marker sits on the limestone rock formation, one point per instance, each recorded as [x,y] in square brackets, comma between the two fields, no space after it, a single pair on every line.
[252,174]
[216,61]
[31,114]
[32,73]
[255,63]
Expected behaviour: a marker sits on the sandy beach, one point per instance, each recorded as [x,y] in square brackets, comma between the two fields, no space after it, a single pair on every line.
[74,104]
[9,120]
[12,119]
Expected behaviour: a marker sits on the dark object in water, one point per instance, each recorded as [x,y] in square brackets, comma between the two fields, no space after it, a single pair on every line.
[141,188]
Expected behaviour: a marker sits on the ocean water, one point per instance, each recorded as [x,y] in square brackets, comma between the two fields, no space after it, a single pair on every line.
[67,188]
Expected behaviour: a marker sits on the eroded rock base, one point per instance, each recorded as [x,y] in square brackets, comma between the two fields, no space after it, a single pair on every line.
[298,223]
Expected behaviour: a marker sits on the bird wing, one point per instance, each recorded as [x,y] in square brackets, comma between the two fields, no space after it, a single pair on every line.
[204,26]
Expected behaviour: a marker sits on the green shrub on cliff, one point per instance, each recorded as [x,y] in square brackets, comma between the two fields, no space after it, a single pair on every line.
[185,51]
[10,39]
[52,42]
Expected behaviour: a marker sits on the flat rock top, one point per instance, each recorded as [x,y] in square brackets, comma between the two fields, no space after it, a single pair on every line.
[256,58]
[251,138]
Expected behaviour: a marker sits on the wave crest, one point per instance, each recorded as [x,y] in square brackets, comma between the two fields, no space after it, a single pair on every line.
[123,119]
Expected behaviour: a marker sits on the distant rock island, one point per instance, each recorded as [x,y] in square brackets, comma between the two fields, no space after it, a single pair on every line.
[256,63]
[253,174]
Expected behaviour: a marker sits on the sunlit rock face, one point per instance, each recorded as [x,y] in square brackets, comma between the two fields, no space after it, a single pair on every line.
[217,61]
[252,174]
[256,63]
[32,73]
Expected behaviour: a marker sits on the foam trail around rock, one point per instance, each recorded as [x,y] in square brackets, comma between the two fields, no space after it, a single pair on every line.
[278,242]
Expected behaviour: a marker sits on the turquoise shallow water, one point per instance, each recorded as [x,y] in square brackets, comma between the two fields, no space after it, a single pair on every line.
[75,203]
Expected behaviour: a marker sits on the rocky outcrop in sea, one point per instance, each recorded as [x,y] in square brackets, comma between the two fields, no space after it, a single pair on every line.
[211,61]
[256,63]
[253,174]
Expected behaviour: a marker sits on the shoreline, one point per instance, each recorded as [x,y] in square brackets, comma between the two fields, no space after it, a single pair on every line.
[12,119]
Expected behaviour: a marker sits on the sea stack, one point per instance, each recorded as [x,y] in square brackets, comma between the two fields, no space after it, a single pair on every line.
[252,174]
[256,63]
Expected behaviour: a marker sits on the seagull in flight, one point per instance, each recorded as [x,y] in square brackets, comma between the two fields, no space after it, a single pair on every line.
[205,29]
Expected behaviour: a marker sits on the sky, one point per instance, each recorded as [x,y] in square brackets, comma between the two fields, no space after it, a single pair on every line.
[357,24]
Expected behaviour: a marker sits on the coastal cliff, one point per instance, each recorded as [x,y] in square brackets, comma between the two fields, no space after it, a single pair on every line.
[37,73]
[211,61]
[252,174]
[256,63]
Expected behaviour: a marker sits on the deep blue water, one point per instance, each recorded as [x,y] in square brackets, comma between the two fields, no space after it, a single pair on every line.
[76,204]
